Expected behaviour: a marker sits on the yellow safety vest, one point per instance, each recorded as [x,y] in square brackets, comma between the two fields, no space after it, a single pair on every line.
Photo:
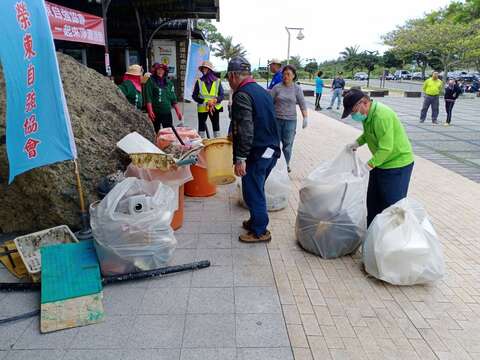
[205,95]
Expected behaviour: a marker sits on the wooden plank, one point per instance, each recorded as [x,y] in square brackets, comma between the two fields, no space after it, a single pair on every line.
[65,314]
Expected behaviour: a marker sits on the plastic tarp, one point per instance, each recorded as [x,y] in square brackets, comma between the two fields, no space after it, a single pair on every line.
[131,226]
[332,213]
[402,247]
[277,187]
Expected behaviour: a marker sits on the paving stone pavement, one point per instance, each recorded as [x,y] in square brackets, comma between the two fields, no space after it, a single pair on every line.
[275,301]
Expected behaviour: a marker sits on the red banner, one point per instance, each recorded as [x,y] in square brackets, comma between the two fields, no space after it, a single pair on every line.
[72,25]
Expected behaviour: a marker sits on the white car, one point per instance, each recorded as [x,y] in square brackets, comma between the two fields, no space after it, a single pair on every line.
[360,76]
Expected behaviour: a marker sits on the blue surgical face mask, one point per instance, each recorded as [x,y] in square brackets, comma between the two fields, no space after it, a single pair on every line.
[359,116]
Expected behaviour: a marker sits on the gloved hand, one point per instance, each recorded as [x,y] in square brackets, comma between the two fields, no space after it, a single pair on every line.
[353,146]
[150,112]
[305,122]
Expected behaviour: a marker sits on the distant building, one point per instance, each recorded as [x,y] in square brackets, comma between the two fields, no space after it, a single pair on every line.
[141,32]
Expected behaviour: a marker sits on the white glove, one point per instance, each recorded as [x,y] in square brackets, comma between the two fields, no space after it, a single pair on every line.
[305,122]
[353,146]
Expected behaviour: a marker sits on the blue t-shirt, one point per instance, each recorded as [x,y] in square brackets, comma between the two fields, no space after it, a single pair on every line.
[318,85]
[277,79]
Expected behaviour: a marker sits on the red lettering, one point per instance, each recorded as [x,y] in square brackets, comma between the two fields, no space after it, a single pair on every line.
[29,53]
[30,75]
[30,101]
[30,126]
[31,148]
[23,16]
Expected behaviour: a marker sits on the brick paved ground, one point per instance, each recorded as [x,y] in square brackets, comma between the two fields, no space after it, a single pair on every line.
[275,301]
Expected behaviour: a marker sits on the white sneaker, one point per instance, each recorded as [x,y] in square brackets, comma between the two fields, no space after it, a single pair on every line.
[203,134]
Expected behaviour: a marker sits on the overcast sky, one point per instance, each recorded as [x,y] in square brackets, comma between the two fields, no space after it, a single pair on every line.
[330,25]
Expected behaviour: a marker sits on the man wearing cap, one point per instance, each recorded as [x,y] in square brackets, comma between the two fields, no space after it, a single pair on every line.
[275,68]
[392,161]
[208,93]
[338,85]
[256,144]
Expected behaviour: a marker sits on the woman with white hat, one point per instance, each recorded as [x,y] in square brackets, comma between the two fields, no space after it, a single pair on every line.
[131,85]
[208,93]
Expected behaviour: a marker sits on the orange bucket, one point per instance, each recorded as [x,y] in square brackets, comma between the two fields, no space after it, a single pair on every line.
[199,186]
[177,220]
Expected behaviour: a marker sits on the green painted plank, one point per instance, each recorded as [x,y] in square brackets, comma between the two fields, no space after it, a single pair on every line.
[69,271]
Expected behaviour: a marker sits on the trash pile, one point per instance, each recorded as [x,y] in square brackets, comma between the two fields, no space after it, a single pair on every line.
[402,247]
[100,116]
[332,213]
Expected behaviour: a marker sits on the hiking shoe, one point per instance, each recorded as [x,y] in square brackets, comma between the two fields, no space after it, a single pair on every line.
[252,238]
[422,121]
[434,122]
[247,224]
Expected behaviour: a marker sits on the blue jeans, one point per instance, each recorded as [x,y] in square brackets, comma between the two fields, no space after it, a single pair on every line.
[385,188]
[253,188]
[337,94]
[287,130]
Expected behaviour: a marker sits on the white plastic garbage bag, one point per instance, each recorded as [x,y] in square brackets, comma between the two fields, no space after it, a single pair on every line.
[332,213]
[402,247]
[277,187]
[131,226]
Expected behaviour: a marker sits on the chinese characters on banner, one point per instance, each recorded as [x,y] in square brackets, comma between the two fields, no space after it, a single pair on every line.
[72,25]
[38,124]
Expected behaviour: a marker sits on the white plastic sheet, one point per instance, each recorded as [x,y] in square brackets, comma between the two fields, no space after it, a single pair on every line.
[402,247]
[277,187]
[126,241]
[332,213]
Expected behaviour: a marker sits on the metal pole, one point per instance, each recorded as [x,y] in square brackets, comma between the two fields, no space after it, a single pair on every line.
[105,6]
[288,47]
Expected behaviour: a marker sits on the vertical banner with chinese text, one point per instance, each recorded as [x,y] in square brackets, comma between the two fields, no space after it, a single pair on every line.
[38,124]
[197,53]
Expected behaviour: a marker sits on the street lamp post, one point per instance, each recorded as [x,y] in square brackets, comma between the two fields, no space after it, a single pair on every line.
[300,36]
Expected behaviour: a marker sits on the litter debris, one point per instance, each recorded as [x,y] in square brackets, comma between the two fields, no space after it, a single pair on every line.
[332,212]
[402,247]
[71,287]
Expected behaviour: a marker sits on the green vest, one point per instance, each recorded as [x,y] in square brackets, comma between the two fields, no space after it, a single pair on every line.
[205,95]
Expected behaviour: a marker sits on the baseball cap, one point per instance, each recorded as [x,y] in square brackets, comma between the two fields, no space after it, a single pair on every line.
[275,61]
[350,99]
[239,63]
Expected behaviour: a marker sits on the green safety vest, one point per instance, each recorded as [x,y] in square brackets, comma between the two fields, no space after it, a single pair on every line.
[205,95]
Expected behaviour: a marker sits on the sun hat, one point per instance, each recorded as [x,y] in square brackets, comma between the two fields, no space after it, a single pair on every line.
[134,70]
[206,64]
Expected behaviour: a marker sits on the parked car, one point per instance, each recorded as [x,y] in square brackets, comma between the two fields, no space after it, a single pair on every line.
[390,77]
[360,76]
[402,75]
[418,76]
[469,77]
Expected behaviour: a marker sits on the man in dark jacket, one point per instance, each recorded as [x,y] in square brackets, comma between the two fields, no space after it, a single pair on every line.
[256,144]
[452,92]
[338,85]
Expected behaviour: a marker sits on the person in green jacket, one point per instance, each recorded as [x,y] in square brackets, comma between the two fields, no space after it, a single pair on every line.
[160,98]
[392,159]
[131,85]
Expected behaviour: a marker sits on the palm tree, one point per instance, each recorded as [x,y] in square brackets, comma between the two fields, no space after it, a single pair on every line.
[227,50]
[350,56]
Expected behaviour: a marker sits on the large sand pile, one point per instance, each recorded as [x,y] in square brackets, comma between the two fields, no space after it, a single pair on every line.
[100,117]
